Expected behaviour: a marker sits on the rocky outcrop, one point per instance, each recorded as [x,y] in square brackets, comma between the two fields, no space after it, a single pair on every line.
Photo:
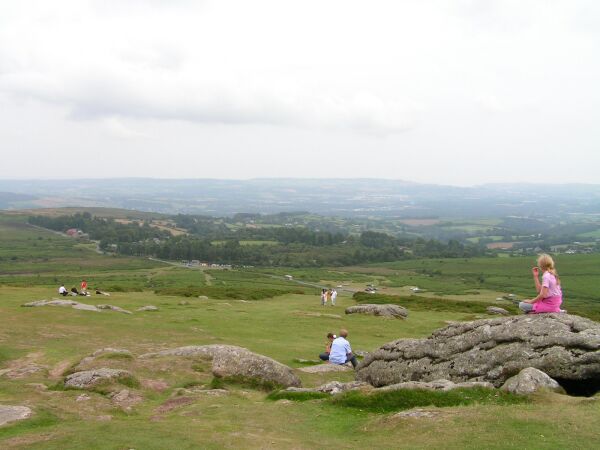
[231,361]
[10,413]
[565,347]
[58,302]
[530,380]
[75,305]
[89,379]
[497,310]
[379,310]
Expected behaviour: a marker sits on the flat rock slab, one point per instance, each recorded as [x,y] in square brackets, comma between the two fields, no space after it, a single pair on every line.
[114,308]
[88,379]
[67,303]
[10,413]
[22,371]
[147,308]
[565,347]
[323,368]
[389,310]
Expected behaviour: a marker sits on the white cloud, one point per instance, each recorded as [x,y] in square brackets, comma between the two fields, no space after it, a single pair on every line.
[437,84]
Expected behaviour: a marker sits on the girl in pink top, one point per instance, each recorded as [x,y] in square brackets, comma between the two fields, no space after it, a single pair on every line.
[549,296]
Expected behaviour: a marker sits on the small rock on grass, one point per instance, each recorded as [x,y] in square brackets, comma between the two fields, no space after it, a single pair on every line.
[9,413]
[416,413]
[87,379]
[148,308]
[323,368]
[530,380]
[497,310]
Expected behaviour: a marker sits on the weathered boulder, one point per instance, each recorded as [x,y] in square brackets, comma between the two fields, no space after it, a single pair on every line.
[379,310]
[240,362]
[566,347]
[436,385]
[530,380]
[88,379]
[233,361]
[497,310]
[10,413]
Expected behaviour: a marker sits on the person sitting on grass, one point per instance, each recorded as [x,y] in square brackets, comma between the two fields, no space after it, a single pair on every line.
[325,355]
[341,352]
[549,296]
[62,290]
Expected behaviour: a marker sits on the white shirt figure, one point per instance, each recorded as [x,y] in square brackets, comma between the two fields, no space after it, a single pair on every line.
[333,296]
[62,290]
[340,348]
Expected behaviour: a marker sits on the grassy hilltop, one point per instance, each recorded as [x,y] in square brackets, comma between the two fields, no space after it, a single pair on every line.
[260,310]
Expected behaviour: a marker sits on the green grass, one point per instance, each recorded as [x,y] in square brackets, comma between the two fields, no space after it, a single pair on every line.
[388,401]
[297,396]
[419,303]
[285,327]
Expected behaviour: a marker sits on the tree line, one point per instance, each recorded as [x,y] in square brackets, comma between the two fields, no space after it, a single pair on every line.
[287,246]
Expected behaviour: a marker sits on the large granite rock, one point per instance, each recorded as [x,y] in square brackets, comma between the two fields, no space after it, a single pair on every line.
[89,379]
[565,347]
[379,310]
[530,380]
[231,361]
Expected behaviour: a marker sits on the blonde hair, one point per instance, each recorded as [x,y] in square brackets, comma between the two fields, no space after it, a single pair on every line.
[546,263]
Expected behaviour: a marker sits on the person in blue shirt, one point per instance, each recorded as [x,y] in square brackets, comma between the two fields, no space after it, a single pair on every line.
[341,352]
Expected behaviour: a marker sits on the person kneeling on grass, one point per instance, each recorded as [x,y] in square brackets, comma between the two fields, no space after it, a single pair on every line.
[549,296]
[62,290]
[325,355]
[341,352]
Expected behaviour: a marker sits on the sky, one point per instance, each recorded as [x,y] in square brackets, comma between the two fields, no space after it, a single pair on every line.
[457,92]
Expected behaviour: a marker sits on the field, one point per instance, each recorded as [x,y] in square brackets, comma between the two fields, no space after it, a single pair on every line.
[259,310]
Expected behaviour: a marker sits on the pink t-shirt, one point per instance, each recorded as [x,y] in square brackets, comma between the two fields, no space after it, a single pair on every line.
[552,302]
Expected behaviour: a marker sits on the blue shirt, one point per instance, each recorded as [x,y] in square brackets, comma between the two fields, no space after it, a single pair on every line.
[340,348]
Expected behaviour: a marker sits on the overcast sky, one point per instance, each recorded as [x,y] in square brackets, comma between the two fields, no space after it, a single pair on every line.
[457,92]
